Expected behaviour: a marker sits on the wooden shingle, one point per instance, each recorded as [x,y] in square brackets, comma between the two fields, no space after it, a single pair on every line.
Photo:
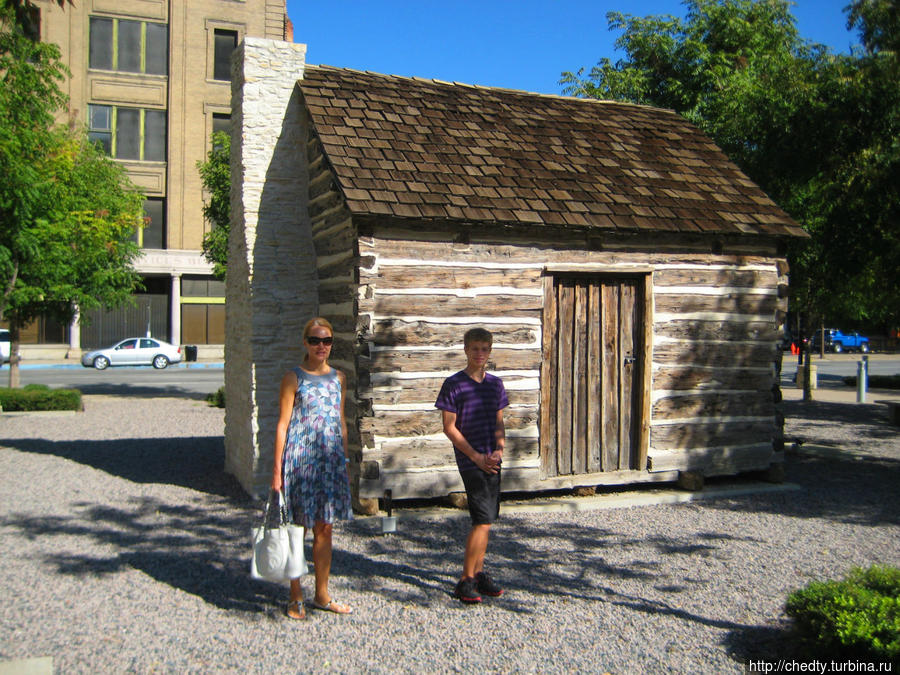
[474,153]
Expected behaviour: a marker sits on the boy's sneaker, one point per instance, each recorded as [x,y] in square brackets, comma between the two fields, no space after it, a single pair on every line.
[486,585]
[465,591]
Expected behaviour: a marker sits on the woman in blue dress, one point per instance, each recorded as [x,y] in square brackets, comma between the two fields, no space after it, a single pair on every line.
[311,462]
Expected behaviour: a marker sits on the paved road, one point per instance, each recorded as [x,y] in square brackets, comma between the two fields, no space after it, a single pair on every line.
[193,382]
[836,366]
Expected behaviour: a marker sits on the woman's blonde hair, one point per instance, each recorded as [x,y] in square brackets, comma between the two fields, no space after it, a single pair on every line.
[317,321]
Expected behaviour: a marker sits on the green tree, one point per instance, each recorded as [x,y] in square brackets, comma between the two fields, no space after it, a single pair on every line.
[817,131]
[67,212]
[215,173]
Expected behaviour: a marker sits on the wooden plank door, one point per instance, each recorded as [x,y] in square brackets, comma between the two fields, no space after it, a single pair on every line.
[592,374]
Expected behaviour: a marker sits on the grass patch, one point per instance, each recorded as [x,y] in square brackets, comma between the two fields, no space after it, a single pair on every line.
[876,381]
[217,398]
[857,617]
[39,397]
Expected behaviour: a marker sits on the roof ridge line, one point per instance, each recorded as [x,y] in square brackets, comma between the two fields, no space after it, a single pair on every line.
[525,92]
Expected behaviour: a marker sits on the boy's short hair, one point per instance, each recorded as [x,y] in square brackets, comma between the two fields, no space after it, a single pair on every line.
[477,335]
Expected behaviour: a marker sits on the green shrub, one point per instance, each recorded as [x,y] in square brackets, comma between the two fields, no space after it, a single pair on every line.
[858,617]
[217,398]
[39,397]
[36,387]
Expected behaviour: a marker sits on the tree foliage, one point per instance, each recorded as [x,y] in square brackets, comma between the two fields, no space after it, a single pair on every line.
[817,131]
[215,173]
[67,212]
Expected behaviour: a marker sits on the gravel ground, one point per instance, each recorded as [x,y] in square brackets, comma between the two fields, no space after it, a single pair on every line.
[126,551]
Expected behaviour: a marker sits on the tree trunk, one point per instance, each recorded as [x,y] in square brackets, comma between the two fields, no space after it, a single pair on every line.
[14,354]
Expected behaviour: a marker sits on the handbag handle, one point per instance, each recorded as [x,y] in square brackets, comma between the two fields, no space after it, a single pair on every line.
[269,515]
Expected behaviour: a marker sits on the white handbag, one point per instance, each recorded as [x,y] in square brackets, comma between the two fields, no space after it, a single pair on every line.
[277,544]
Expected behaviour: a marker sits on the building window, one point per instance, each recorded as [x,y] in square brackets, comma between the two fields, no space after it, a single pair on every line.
[221,122]
[129,133]
[100,126]
[202,310]
[153,233]
[225,42]
[129,46]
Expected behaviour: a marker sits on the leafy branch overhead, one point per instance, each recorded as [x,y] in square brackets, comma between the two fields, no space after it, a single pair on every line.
[817,130]
[69,212]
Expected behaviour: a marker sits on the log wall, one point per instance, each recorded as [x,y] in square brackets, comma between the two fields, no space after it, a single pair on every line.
[715,322]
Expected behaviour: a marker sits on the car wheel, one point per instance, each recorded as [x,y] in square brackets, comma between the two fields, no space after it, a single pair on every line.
[838,347]
[864,348]
[160,362]
[101,363]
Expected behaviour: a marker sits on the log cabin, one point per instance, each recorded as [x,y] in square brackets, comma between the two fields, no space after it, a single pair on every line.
[633,277]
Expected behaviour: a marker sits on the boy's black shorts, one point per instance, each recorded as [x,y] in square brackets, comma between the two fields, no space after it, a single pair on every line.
[483,495]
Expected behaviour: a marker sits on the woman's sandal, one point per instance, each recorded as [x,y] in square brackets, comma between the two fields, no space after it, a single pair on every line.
[300,610]
[332,606]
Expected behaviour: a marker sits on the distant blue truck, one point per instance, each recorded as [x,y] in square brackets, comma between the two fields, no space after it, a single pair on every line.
[837,342]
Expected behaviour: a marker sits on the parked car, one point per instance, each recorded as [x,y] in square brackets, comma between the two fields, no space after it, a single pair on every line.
[837,341]
[4,346]
[142,351]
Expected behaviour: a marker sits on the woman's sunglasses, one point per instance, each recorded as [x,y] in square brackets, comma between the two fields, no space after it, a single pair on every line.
[313,340]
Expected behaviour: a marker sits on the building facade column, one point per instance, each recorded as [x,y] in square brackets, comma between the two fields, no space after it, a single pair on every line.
[175,310]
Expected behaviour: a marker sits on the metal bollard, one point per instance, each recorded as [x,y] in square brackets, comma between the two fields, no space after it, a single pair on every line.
[861,377]
[389,522]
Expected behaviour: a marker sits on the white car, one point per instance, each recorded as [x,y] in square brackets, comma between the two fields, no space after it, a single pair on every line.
[4,345]
[139,351]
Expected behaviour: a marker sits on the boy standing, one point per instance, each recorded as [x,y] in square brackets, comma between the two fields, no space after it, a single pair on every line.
[471,404]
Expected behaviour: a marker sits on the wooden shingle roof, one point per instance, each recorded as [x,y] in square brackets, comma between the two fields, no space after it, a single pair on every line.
[424,149]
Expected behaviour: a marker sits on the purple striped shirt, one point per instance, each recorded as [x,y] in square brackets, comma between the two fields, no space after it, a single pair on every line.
[476,405]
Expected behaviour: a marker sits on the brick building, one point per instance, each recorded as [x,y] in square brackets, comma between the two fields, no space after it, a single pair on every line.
[151,80]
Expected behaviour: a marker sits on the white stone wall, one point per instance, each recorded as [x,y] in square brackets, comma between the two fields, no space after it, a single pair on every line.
[271,286]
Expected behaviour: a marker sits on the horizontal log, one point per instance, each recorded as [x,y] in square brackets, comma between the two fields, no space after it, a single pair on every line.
[385,306]
[414,423]
[422,485]
[717,330]
[571,246]
[758,404]
[418,276]
[324,202]
[451,359]
[684,436]
[730,303]
[342,268]
[717,458]
[413,455]
[334,242]
[677,377]
[427,395]
[715,277]
[391,332]
[716,354]
[336,294]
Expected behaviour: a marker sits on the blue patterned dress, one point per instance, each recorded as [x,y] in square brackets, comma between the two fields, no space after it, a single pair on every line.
[316,486]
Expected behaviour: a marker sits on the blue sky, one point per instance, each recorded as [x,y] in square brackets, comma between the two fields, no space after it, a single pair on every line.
[520,44]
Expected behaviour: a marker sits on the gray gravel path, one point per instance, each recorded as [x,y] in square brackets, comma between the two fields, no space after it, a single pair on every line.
[126,551]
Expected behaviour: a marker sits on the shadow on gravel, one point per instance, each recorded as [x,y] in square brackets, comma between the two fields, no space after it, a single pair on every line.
[860,490]
[195,548]
[872,418]
[194,462]
[138,391]
[551,562]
